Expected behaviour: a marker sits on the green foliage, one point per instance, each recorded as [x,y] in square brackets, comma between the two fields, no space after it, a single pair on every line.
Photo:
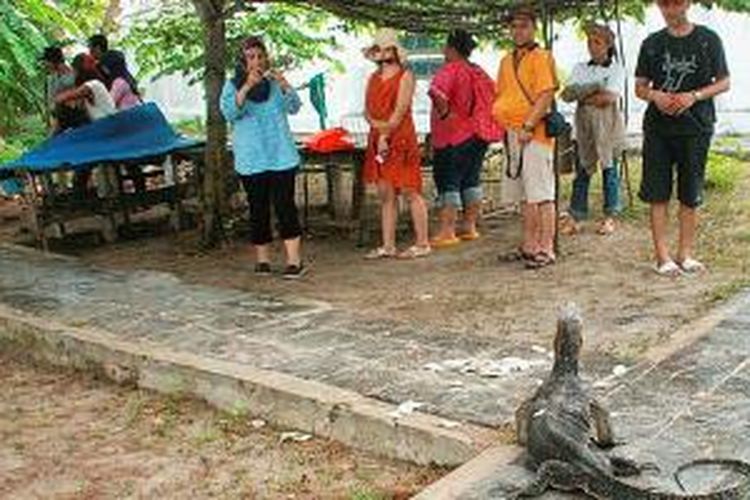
[169,39]
[722,172]
[192,127]
[27,133]
[27,27]
[734,5]
[88,15]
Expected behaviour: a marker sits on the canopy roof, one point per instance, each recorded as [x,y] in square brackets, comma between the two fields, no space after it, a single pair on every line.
[481,16]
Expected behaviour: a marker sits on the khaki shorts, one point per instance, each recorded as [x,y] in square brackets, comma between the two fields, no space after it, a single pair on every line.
[536,183]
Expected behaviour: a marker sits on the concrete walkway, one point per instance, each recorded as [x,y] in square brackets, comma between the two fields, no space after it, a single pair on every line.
[464,379]
[694,403]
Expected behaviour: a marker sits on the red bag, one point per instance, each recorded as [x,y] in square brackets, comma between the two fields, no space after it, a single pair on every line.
[330,140]
[485,125]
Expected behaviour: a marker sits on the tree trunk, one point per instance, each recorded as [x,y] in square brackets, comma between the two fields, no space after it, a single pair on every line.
[214,196]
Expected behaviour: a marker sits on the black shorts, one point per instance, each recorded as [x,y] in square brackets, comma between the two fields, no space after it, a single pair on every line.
[661,154]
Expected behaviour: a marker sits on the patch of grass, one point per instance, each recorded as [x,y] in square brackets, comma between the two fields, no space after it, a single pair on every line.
[234,423]
[722,172]
[725,291]
[363,493]
[134,409]
[208,433]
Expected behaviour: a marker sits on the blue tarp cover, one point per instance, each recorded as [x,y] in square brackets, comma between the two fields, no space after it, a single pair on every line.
[137,133]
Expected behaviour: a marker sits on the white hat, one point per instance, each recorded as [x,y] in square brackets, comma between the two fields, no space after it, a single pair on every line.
[385,38]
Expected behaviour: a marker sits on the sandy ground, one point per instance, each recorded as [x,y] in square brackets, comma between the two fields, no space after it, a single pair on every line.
[65,435]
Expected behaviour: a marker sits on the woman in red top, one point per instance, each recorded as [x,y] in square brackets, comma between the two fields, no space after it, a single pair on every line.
[392,160]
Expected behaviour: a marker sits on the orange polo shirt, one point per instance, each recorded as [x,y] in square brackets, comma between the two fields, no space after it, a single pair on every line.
[536,72]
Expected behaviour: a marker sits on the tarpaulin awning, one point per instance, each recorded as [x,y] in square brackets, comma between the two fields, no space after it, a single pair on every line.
[137,133]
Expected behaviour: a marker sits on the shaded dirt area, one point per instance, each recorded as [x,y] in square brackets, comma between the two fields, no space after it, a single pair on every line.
[467,291]
[66,435]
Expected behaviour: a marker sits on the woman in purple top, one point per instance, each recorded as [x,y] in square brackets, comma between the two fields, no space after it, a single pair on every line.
[121,85]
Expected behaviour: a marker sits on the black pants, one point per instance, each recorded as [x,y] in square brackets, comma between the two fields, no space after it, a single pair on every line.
[272,189]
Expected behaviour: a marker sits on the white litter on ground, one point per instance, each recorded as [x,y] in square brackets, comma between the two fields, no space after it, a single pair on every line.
[298,437]
[620,370]
[487,368]
[448,424]
[405,408]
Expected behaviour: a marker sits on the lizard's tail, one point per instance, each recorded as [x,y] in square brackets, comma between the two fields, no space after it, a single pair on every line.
[741,490]
[614,488]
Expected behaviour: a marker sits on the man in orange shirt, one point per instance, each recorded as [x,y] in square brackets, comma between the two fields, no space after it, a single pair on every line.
[526,86]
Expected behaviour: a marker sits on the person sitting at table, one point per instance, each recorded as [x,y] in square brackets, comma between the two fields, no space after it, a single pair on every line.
[89,90]
[121,84]
[91,93]
[60,77]
[256,103]
[392,159]
[123,88]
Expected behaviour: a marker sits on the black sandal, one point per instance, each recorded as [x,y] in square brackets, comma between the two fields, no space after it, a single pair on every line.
[540,260]
[516,255]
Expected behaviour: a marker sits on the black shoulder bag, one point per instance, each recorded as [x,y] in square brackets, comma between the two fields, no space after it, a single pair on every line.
[554,122]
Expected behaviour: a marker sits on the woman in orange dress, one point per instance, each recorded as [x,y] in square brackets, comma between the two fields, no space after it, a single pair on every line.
[392,160]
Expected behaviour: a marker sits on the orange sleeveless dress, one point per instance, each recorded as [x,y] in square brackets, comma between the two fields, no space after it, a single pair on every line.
[401,168]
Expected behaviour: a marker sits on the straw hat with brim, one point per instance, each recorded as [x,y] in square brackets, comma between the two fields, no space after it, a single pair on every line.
[385,38]
[601,30]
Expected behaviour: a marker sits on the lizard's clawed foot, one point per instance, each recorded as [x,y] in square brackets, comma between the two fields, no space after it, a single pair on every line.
[625,467]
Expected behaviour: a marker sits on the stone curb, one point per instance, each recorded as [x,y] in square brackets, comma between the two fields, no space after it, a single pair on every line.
[459,482]
[283,400]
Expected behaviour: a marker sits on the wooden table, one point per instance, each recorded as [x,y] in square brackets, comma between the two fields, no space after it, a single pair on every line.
[50,205]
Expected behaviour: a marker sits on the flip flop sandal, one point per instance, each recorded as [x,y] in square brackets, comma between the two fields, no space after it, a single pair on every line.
[606,227]
[516,255]
[474,235]
[691,266]
[380,253]
[568,225]
[444,242]
[668,269]
[540,260]
[415,252]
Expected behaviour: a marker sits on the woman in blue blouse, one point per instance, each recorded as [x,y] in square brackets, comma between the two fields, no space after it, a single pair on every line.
[256,103]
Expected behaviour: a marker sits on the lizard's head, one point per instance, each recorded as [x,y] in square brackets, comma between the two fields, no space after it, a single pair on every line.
[569,339]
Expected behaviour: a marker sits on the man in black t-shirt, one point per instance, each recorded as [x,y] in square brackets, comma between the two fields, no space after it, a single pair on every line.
[680,69]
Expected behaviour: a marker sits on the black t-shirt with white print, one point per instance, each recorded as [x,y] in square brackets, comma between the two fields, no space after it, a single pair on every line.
[682,64]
